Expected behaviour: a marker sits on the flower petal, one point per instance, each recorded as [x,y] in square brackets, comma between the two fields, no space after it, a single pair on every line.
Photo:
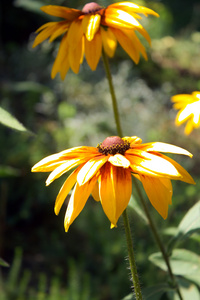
[90,25]
[115,188]
[59,171]
[134,8]
[90,169]
[185,176]
[93,51]
[109,41]
[61,61]
[119,160]
[48,29]
[127,44]
[95,192]
[65,189]
[164,147]
[74,38]
[159,193]
[117,18]
[77,201]
[62,12]
[154,163]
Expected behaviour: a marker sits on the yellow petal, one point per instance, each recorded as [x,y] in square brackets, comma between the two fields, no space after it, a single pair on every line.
[158,193]
[61,61]
[95,192]
[134,8]
[166,148]
[127,44]
[153,163]
[49,29]
[189,127]
[90,169]
[77,201]
[115,188]
[65,189]
[90,25]
[62,28]
[109,41]
[117,18]
[62,12]
[185,176]
[59,171]
[93,51]
[119,160]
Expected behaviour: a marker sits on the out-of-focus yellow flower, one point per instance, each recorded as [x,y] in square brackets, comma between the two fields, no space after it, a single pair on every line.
[189,110]
[105,172]
[87,31]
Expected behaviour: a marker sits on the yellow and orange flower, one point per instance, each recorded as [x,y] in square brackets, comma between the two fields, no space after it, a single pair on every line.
[105,172]
[189,110]
[87,31]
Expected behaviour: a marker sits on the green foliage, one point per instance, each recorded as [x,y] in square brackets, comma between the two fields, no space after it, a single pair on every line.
[8,120]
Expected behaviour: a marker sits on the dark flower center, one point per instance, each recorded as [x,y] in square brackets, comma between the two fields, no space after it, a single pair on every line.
[113,145]
[91,7]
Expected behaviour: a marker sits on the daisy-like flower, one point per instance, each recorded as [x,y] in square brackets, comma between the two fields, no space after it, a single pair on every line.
[105,172]
[189,110]
[87,31]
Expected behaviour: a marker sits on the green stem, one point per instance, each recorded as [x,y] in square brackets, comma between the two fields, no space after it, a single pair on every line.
[112,92]
[135,279]
[158,240]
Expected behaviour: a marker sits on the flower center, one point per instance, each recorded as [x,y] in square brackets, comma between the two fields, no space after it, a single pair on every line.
[113,145]
[91,7]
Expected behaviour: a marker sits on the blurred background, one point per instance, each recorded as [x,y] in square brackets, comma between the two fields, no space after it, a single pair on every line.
[90,261]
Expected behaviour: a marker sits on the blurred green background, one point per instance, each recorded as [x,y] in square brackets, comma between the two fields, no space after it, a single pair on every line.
[89,262]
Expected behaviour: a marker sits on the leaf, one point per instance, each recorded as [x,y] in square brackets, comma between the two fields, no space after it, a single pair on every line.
[151,293]
[30,86]
[136,207]
[187,289]
[33,6]
[8,120]
[183,262]
[3,263]
[6,171]
[189,225]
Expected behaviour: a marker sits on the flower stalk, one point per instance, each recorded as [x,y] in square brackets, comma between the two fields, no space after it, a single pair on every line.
[129,241]
[132,263]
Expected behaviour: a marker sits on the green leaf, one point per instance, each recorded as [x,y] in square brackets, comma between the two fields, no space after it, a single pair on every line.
[6,171]
[8,120]
[33,6]
[3,263]
[136,207]
[151,293]
[187,289]
[182,261]
[189,225]
[30,86]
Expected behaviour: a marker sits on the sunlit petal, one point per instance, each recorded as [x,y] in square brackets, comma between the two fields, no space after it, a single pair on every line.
[90,25]
[119,160]
[109,41]
[77,201]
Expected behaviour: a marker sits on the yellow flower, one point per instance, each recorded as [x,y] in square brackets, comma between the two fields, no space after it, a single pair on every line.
[105,172]
[189,110]
[86,32]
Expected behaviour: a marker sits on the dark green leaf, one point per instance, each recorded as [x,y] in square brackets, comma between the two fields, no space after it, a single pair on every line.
[183,262]
[189,225]
[8,120]
[6,171]
[3,263]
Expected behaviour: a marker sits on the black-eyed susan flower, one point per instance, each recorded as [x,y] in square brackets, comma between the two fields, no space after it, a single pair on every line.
[87,31]
[189,110]
[105,172]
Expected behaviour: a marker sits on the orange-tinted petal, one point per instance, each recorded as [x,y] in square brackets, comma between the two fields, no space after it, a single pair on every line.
[90,169]
[95,192]
[61,62]
[48,29]
[159,193]
[117,18]
[109,41]
[69,14]
[65,189]
[127,44]
[115,191]
[90,25]
[93,51]
[77,201]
